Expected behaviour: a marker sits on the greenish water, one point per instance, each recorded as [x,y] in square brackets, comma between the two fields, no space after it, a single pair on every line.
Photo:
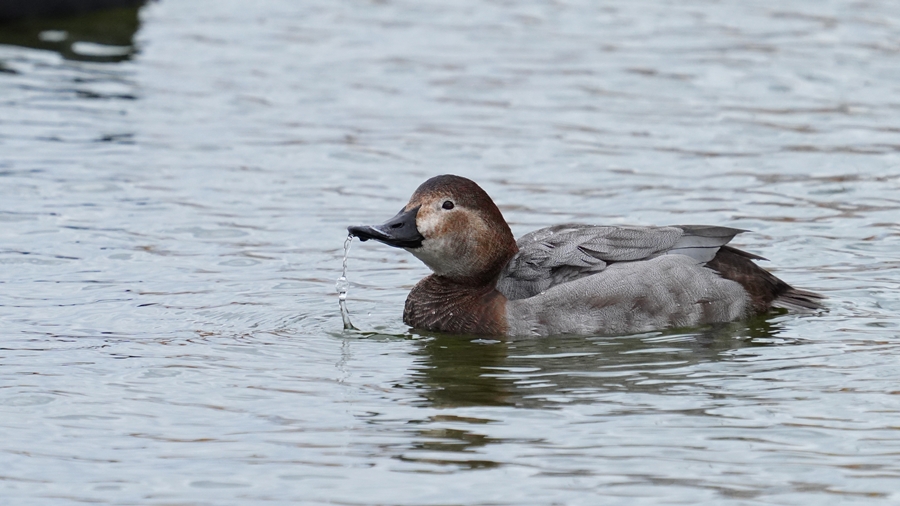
[173,207]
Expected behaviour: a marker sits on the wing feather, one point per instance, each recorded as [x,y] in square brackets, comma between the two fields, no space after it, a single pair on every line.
[562,253]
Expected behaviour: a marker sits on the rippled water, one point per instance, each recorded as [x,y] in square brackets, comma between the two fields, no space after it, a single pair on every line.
[173,208]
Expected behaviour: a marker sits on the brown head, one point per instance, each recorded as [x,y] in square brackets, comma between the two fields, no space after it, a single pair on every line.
[452,226]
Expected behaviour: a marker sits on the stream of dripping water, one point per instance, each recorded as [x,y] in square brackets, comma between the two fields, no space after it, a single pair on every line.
[342,285]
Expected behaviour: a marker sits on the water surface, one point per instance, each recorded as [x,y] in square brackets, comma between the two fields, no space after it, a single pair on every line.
[173,207]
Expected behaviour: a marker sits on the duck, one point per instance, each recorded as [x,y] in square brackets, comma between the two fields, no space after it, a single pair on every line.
[569,278]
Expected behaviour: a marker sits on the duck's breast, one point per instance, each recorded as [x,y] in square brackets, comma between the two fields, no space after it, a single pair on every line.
[628,297]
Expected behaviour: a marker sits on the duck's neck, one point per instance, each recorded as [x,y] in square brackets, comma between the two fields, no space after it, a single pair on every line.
[440,304]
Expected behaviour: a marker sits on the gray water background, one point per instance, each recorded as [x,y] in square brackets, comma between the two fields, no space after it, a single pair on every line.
[173,210]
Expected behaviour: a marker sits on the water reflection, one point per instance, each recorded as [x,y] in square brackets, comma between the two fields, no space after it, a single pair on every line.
[456,371]
[102,36]
[443,445]
[459,371]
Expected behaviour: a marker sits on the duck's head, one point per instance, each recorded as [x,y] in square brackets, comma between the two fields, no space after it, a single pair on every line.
[452,226]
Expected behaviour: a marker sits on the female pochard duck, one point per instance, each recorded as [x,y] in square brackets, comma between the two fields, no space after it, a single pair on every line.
[569,279]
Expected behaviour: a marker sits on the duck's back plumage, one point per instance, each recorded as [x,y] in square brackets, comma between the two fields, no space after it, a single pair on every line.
[559,254]
[637,278]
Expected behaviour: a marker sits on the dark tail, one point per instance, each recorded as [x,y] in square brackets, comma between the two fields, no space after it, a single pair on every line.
[799,300]
[764,288]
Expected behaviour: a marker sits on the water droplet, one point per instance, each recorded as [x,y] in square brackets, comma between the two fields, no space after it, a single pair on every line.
[342,285]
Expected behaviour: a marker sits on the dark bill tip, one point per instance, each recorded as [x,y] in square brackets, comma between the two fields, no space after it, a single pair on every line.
[365,232]
[399,231]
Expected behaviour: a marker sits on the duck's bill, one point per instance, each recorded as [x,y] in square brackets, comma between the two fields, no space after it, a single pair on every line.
[399,231]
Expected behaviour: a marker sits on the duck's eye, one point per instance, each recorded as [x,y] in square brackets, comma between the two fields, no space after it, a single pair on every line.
[447,205]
